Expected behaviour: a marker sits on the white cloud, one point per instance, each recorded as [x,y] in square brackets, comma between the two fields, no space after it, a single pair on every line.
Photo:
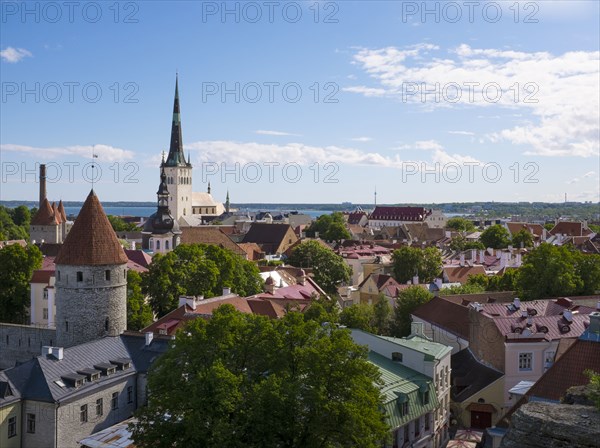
[361,139]
[428,145]
[461,132]
[572,181]
[589,174]
[275,133]
[105,153]
[13,55]
[231,152]
[562,94]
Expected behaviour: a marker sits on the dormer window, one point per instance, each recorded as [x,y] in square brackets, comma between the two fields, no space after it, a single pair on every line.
[90,374]
[397,356]
[73,379]
[122,363]
[106,368]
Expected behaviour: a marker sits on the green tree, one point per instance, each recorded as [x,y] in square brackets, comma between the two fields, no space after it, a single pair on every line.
[548,271]
[495,236]
[467,288]
[407,263]
[382,312]
[139,313]
[242,380]
[8,229]
[504,282]
[359,316]
[587,267]
[330,227]
[120,225]
[408,300]
[460,224]
[593,388]
[329,269]
[323,310]
[197,269]
[481,280]
[21,216]
[522,239]
[18,264]
[410,261]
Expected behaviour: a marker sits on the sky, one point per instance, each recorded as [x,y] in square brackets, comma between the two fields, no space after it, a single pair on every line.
[304,102]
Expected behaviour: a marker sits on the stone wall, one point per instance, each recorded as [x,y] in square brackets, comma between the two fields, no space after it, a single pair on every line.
[20,343]
[547,425]
[92,308]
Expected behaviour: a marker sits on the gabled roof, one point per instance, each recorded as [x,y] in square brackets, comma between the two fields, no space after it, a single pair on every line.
[450,316]
[45,215]
[570,228]
[139,256]
[92,240]
[37,379]
[469,376]
[210,235]
[399,213]
[401,384]
[40,276]
[460,274]
[262,233]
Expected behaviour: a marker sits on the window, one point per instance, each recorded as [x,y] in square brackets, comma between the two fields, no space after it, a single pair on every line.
[12,427]
[427,418]
[31,423]
[426,397]
[525,361]
[107,275]
[58,274]
[115,401]
[99,407]
[397,356]
[129,394]
[45,313]
[83,415]
[157,245]
[106,324]
[167,245]
[404,408]
[67,326]
[45,294]
[79,276]
[548,359]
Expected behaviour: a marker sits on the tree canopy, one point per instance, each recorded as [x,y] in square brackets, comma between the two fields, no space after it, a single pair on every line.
[329,269]
[120,225]
[139,313]
[330,227]
[18,264]
[522,238]
[197,269]
[460,224]
[496,237]
[408,300]
[14,223]
[242,380]
[410,261]
[550,271]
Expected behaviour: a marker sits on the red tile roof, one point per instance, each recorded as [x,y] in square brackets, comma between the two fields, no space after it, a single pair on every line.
[399,213]
[45,215]
[537,230]
[450,316]
[61,210]
[210,235]
[460,274]
[40,276]
[139,256]
[92,240]
[570,228]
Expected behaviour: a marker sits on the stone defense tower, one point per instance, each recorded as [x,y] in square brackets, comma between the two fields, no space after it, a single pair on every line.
[177,169]
[91,279]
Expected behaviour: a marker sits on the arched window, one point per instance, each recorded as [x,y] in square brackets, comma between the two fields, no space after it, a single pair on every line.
[157,245]
[167,245]
[106,324]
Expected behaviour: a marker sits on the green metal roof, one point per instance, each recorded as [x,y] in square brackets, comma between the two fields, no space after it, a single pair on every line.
[401,383]
[431,350]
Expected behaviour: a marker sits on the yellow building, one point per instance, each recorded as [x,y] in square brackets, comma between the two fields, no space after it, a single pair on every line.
[10,414]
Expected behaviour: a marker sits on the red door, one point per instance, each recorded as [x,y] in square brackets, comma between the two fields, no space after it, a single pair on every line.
[481,420]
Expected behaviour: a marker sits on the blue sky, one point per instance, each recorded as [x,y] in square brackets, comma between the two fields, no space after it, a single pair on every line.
[347,112]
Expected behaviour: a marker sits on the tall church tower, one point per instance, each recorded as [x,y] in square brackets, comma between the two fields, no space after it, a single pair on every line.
[91,279]
[177,169]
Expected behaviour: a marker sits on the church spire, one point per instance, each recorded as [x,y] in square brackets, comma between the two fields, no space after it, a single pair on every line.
[208,189]
[227,205]
[176,156]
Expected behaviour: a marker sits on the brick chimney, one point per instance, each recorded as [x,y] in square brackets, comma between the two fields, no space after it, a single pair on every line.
[42,184]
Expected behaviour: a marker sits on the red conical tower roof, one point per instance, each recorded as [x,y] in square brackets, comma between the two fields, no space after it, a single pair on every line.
[92,240]
[61,210]
[45,215]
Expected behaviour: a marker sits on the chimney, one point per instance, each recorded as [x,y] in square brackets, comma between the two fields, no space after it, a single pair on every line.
[149,336]
[46,350]
[58,353]
[317,235]
[42,184]
[568,315]
[594,326]
[133,245]
[524,313]
[517,303]
[438,282]
[462,260]
[473,255]
[226,290]
[518,260]
[481,255]
[415,280]
[187,300]
[302,278]
[416,329]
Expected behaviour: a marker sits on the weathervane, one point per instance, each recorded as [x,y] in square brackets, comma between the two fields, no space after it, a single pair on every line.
[94,156]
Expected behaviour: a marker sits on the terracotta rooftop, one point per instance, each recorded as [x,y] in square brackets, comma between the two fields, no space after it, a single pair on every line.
[210,235]
[537,230]
[61,210]
[570,228]
[399,213]
[45,215]
[447,315]
[460,274]
[92,240]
